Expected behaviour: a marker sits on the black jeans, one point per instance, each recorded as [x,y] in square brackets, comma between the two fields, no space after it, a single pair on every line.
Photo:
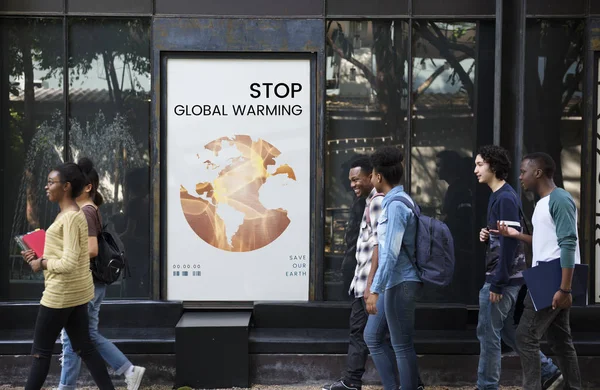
[47,328]
[555,324]
[357,350]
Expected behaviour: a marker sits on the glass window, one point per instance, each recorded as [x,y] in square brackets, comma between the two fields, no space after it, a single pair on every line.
[443,142]
[553,98]
[367,97]
[109,100]
[31,116]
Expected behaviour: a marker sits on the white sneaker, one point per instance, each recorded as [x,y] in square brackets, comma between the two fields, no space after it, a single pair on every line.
[134,379]
[557,384]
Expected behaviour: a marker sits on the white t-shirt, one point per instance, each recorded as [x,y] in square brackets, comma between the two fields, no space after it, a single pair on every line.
[555,228]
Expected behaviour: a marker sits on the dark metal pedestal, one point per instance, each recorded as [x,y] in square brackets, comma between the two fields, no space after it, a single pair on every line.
[212,350]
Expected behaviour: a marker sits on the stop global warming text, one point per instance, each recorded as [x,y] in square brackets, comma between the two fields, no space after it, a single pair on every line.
[256,90]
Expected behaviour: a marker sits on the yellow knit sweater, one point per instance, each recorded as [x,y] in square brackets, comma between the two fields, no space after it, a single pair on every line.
[68,279]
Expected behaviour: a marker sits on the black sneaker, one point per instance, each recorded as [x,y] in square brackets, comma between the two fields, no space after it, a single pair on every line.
[342,385]
[554,382]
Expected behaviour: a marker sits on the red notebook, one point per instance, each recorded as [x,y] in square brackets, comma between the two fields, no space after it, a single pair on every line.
[36,240]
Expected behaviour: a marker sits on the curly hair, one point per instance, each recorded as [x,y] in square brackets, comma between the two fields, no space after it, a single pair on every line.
[364,163]
[387,161]
[497,158]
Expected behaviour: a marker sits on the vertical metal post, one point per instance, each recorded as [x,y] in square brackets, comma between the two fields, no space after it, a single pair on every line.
[67,150]
[4,164]
[409,129]
[520,91]
[589,155]
[513,84]
[498,71]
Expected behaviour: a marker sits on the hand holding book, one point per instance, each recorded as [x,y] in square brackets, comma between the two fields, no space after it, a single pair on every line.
[29,255]
[34,241]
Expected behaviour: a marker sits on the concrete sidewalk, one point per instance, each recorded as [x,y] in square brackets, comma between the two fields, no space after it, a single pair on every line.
[294,387]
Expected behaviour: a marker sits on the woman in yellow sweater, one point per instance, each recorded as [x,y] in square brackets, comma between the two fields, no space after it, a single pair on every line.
[68,282]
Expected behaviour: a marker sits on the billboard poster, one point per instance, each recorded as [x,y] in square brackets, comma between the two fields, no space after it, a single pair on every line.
[238,141]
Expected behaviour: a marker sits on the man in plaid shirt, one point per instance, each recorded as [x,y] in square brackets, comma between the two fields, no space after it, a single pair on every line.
[366,259]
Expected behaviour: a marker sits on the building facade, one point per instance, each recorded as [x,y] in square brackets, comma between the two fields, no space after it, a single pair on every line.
[436,78]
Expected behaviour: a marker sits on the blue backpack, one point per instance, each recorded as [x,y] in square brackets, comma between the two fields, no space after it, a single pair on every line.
[435,248]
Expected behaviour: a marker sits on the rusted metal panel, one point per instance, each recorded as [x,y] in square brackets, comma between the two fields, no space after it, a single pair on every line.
[32,6]
[556,7]
[594,35]
[260,8]
[239,35]
[111,7]
[338,8]
[454,8]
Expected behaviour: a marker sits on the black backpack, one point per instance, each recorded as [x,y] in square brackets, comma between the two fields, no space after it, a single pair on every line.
[110,263]
[434,255]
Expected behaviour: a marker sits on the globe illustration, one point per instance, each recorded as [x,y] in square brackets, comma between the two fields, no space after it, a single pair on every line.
[228,213]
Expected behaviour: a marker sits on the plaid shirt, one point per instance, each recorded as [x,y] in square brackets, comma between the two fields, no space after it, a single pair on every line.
[367,240]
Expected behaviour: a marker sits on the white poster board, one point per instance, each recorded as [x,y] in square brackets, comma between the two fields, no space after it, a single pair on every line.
[238,179]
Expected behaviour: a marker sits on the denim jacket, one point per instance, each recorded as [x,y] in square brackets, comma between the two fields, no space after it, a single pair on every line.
[396,232]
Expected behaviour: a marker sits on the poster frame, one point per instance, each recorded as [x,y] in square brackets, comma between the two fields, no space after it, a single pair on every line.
[315,193]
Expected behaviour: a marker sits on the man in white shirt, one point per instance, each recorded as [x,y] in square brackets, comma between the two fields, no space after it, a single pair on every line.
[554,236]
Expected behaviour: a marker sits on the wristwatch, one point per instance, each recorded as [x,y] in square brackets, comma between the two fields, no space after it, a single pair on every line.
[565,291]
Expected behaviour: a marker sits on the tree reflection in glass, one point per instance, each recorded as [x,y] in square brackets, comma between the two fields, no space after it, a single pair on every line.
[443,142]
[553,97]
[109,98]
[367,101]
[32,67]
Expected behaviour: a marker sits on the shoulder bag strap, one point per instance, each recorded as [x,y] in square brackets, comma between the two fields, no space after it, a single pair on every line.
[521,213]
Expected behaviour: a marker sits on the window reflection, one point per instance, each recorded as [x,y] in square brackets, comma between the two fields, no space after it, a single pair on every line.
[109,98]
[443,139]
[553,98]
[31,120]
[367,95]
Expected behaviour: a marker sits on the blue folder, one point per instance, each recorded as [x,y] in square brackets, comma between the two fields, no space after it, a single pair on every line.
[544,280]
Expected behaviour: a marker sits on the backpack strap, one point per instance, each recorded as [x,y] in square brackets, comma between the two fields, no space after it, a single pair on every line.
[413,208]
[417,213]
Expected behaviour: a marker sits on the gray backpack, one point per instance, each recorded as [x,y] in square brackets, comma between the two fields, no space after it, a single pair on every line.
[435,249]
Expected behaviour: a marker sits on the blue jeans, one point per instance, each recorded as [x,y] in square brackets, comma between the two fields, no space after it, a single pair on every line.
[375,336]
[496,323]
[399,313]
[71,362]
